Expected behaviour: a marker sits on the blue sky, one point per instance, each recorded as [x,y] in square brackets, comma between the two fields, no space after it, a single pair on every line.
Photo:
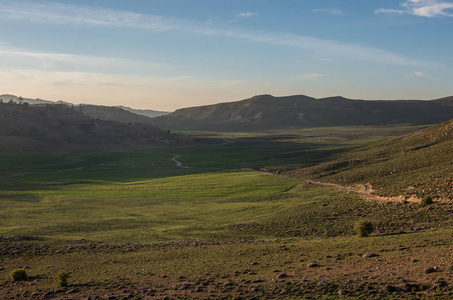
[169,54]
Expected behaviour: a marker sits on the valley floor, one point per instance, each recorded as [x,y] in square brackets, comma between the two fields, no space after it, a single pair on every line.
[198,224]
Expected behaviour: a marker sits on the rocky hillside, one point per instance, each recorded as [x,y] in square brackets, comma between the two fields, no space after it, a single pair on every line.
[29,127]
[267,112]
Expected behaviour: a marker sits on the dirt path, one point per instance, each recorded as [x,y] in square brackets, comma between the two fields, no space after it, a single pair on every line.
[177,162]
[365,193]
[363,190]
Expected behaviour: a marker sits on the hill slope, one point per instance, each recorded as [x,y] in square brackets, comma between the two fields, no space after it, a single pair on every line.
[145,112]
[110,113]
[107,113]
[27,127]
[268,112]
[416,164]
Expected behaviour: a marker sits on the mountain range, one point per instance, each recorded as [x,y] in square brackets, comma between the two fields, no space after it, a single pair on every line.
[266,112]
[121,114]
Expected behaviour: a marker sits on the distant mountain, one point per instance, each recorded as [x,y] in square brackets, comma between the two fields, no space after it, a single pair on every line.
[145,112]
[266,112]
[111,113]
[50,127]
[107,113]
[417,164]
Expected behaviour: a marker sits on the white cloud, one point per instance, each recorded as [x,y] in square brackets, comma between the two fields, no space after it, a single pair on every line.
[419,74]
[332,11]
[390,11]
[423,8]
[246,14]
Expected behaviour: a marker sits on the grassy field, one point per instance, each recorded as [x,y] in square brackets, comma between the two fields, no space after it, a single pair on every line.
[131,224]
[417,164]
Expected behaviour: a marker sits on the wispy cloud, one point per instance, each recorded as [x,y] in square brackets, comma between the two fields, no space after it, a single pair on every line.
[419,74]
[311,76]
[423,8]
[248,14]
[11,56]
[55,13]
[114,89]
[332,11]
[88,16]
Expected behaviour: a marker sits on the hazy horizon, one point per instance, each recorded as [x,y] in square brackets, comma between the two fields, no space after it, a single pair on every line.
[164,55]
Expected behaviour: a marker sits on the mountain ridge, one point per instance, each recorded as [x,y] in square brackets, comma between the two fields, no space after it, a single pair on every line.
[121,114]
[266,112]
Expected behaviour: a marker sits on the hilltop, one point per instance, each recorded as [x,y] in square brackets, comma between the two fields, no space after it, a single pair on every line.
[417,164]
[266,112]
[107,113]
[30,127]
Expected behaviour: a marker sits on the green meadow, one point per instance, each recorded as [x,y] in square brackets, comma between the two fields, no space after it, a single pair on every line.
[131,224]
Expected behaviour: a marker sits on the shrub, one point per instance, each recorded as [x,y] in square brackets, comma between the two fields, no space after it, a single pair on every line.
[363,228]
[63,279]
[18,274]
[427,200]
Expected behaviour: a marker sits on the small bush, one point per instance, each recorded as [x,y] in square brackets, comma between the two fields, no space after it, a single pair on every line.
[18,274]
[63,279]
[427,200]
[363,228]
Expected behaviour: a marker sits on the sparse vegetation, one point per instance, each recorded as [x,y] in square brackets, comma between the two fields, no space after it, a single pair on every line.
[63,279]
[18,275]
[427,200]
[363,228]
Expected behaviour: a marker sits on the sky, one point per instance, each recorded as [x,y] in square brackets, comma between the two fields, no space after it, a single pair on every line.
[170,54]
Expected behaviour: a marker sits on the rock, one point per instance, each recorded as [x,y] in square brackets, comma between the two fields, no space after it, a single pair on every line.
[254,263]
[407,287]
[321,283]
[312,265]
[370,254]
[342,292]
[129,249]
[254,289]
[282,275]
[429,270]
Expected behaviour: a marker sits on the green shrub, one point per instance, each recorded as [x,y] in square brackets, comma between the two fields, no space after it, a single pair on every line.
[427,200]
[63,279]
[18,274]
[363,228]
